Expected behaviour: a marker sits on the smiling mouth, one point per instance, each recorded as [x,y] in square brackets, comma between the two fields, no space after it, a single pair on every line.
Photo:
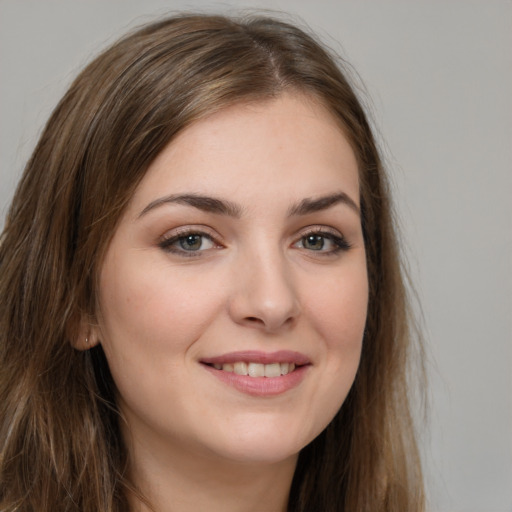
[249,369]
[258,373]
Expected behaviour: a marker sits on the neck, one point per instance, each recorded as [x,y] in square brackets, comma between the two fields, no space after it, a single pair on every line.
[179,480]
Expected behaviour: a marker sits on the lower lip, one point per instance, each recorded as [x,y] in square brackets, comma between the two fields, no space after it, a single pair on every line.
[261,386]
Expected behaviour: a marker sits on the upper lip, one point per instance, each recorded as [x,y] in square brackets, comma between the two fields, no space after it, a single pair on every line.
[255,356]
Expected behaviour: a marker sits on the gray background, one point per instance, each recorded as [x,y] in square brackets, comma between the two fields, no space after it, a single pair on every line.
[440,77]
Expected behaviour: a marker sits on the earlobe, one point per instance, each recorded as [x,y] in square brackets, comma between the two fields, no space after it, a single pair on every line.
[85,337]
[85,343]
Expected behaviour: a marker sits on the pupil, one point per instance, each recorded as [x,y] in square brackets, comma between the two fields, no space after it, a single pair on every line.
[315,242]
[191,242]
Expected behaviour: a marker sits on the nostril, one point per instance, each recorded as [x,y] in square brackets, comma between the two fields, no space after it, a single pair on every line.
[257,322]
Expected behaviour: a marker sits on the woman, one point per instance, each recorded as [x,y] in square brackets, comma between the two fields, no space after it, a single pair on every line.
[202,302]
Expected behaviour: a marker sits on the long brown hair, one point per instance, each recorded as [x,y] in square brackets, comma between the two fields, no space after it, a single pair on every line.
[60,444]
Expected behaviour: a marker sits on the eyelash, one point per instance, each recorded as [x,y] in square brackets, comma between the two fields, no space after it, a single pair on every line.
[168,244]
[340,242]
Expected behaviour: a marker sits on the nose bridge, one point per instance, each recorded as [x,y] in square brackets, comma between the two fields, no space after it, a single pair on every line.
[265,292]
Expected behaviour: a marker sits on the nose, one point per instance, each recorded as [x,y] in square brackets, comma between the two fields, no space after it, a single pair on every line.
[264,294]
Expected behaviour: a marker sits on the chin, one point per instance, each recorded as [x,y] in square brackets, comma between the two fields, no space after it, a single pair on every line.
[259,453]
[267,444]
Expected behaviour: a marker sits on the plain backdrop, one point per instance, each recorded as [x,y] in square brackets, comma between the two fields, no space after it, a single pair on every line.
[439,75]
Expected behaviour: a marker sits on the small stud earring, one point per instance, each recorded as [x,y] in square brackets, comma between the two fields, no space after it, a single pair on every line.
[86,340]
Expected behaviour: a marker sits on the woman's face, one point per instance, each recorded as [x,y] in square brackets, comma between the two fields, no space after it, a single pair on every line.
[233,295]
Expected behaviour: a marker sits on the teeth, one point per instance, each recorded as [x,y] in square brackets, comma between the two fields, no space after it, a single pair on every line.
[240,368]
[272,370]
[257,369]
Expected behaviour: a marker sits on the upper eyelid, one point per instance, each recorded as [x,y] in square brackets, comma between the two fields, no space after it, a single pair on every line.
[189,230]
[213,234]
[321,229]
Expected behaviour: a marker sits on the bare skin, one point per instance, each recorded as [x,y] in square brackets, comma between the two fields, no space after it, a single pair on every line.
[191,483]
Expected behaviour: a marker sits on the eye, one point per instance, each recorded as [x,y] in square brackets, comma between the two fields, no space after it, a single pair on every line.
[188,243]
[314,242]
[322,242]
[194,242]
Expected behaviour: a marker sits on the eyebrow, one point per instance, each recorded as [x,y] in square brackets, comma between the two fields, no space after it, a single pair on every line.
[312,205]
[204,203]
[223,207]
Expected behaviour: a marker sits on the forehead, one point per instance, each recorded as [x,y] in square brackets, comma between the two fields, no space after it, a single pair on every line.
[286,146]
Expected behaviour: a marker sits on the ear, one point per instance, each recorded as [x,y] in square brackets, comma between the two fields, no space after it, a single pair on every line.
[85,335]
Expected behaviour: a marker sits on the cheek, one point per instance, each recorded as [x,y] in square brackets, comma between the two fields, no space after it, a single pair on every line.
[340,308]
[151,316]
[151,302]
[339,316]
